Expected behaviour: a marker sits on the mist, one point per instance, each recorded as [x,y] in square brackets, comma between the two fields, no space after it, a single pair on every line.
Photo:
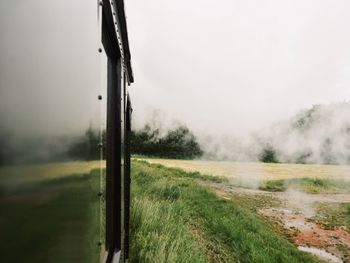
[232,67]
[235,72]
[49,67]
[320,134]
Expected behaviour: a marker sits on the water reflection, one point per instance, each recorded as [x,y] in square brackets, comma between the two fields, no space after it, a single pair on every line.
[51,129]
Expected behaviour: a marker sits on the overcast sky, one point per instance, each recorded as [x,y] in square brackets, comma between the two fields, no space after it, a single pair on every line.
[223,66]
[233,66]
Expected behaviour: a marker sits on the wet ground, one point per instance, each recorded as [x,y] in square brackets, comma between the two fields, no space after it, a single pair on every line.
[295,213]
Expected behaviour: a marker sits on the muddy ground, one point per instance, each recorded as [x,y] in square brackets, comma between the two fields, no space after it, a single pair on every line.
[300,217]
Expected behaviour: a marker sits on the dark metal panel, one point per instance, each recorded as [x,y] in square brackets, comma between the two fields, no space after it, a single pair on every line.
[122,155]
[127,176]
[118,157]
[109,36]
[115,22]
[113,180]
[124,36]
[50,123]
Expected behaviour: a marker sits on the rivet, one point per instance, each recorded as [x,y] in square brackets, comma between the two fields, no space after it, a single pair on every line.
[99,194]
[100,3]
[100,145]
[100,50]
[99,97]
[99,243]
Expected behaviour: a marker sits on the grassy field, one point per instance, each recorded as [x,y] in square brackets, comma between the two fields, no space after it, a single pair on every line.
[177,219]
[176,216]
[52,215]
[259,171]
[307,185]
[273,177]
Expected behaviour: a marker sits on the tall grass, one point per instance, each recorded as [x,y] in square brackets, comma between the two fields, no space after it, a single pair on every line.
[176,219]
[160,233]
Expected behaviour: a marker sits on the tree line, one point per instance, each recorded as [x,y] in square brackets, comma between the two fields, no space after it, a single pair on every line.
[176,143]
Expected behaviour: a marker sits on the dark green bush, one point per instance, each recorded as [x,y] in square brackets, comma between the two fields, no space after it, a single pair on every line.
[268,155]
[178,143]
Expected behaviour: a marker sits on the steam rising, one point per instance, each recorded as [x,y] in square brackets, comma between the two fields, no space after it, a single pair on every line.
[317,135]
[233,67]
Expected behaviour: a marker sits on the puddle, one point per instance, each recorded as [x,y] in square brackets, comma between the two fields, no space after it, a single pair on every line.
[322,254]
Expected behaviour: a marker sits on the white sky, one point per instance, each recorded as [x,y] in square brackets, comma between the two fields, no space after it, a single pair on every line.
[234,66]
[223,66]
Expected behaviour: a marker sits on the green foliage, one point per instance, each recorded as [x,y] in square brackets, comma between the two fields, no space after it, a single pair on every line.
[196,225]
[268,155]
[179,143]
[305,119]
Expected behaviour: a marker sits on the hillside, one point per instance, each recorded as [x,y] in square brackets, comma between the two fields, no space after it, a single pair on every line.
[320,135]
[317,135]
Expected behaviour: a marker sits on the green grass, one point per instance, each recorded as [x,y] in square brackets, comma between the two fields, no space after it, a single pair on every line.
[307,185]
[55,220]
[176,219]
[177,172]
[274,186]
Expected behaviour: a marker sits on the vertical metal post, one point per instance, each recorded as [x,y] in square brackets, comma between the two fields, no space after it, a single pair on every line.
[115,42]
[113,178]
[127,176]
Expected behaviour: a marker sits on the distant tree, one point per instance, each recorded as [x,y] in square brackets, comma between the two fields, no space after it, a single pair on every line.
[303,157]
[305,119]
[327,153]
[177,143]
[268,155]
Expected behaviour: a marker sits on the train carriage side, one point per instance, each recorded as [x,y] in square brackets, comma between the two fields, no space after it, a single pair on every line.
[65,111]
